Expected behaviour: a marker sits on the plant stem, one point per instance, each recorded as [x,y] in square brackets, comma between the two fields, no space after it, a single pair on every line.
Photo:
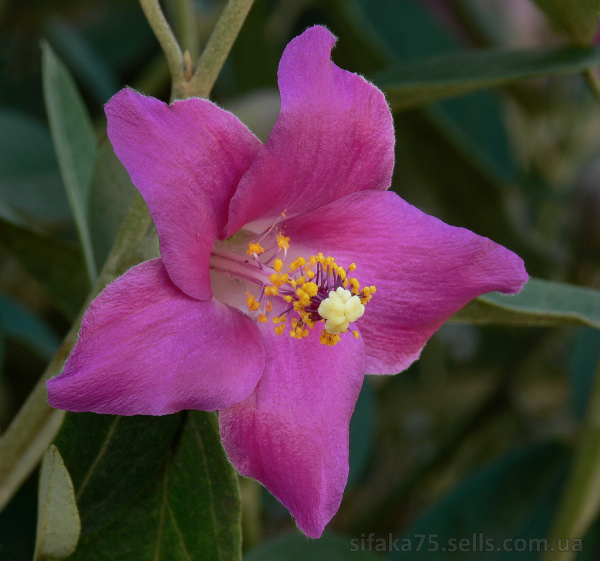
[36,423]
[219,44]
[167,41]
[581,500]
[185,23]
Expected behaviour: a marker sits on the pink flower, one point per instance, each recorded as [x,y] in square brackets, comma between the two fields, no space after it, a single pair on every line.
[241,227]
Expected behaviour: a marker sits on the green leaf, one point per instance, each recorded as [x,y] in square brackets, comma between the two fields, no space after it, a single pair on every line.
[580,504]
[111,459]
[472,128]
[110,197]
[578,19]
[540,302]
[362,431]
[58,525]
[30,182]
[295,547]
[512,498]
[57,265]
[418,82]
[182,497]
[74,142]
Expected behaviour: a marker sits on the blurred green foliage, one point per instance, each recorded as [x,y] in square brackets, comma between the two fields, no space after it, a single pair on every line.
[475,437]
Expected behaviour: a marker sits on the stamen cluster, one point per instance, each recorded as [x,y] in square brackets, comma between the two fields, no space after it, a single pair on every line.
[317,289]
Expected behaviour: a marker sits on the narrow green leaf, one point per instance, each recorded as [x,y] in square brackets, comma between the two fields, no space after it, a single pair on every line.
[362,431]
[295,547]
[541,302]
[74,143]
[582,368]
[58,525]
[110,197]
[510,499]
[471,128]
[188,509]
[418,82]
[57,265]
[580,505]
[578,19]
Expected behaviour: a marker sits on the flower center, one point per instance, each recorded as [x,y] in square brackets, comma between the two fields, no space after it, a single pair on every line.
[314,288]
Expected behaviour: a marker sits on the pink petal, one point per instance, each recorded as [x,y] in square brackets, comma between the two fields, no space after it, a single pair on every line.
[291,434]
[424,270]
[146,348]
[186,159]
[334,136]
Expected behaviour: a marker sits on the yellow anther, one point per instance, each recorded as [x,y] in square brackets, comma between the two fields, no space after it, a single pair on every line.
[319,258]
[288,298]
[352,267]
[278,319]
[328,338]
[280,329]
[278,265]
[252,304]
[278,280]
[355,285]
[262,318]
[301,280]
[298,332]
[283,242]
[254,248]
[269,307]
[307,319]
[355,333]
[310,274]
[271,291]
[300,262]
[310,288]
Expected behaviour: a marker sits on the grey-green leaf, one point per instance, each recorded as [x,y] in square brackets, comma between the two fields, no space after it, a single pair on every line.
[540,302]
[74,143]
[419,82]
[151,488]
[58,524]
[577,19]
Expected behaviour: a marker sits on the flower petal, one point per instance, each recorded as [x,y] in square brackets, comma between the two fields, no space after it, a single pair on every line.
[186,159]
[292,433]
[424,270]
[334,136]
[146,348]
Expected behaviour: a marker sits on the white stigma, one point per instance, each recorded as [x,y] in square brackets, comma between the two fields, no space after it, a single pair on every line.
[340,309]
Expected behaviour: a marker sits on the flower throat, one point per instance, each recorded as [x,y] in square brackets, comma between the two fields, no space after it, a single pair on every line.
[315,289]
